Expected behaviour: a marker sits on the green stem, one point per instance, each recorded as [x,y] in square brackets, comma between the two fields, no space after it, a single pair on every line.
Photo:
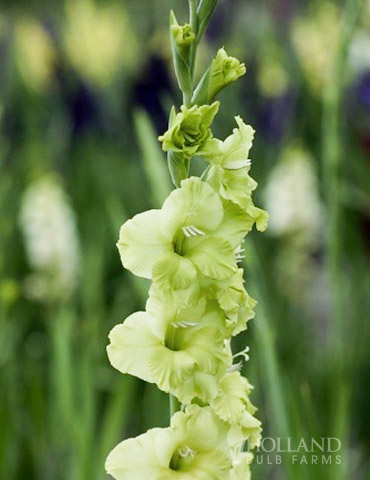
[332,159]
[332,163]
[194,25]
[186,98]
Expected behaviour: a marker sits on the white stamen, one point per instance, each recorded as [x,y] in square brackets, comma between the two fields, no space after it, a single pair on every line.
[184,324]
[243,353]
[185,230]
[239,254]
[237,164]
[236,367]
[197,231]
[191,230]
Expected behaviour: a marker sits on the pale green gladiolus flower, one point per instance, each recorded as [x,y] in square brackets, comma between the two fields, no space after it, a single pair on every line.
[236,186]
[171,347]
[191,233]
[233,152]
[233,398]
[193,447]
[229,172]
[235,149]
[233,405]
[235,301]
[224,304]
[189,130]
[231,305]
[223,70]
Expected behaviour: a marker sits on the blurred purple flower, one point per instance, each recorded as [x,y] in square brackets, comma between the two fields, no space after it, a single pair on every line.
[275,115]
[363,90]
[150,90]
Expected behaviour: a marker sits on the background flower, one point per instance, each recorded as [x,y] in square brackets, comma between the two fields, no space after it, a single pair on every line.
[51,240]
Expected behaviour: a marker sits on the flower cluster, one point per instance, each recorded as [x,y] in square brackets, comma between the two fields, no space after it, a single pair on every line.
[191,249]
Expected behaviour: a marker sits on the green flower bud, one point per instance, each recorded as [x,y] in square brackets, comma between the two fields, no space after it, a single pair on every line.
[189,130]
[222,71]
[182,36]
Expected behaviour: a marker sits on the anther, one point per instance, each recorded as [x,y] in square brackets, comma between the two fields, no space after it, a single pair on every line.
[191,230]
[184,324]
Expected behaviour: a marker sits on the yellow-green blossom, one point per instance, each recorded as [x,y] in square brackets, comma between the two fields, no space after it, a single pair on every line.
[193,447]
[191,232]
[232,405]
[233,153]
[235,301]
[229,171]
[175,351]
[189,130]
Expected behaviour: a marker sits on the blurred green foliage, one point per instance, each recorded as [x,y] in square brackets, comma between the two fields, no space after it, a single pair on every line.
[85,88]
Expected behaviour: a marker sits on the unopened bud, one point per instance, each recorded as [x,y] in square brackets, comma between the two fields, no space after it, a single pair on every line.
[222,71]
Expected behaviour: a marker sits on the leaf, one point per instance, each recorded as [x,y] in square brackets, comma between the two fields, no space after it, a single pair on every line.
[154,161]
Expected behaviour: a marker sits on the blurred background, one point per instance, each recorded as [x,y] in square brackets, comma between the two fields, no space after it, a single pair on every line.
[85,88]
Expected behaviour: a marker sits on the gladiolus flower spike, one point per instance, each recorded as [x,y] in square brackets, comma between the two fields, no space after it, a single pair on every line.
[192,251]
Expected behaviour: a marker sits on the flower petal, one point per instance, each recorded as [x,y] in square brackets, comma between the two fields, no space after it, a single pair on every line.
[131,345]
[202,430]
[206,345]
[137,457]
[259,216]
[173,306]
[236,147]
[235,225]
[173,271]
[195,203]
[213,256]
[141,242]
[233,403]
[169,368]
[199,385]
